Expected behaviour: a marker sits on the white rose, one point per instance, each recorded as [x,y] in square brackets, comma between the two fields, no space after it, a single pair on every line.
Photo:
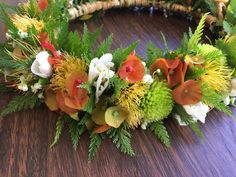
[99,65]
[41,67]
[227,101]
[178,118]
[198,111]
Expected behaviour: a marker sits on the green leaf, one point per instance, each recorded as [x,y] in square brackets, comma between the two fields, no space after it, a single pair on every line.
[152,54]
[185,117]
[59,127]
[76,131]
[213,99]
[121,54]
[18,103]
[160,132]
[104,47]
[195,73]
[121,137]
[196,37]
[95,142]
[117,85]
[4,88]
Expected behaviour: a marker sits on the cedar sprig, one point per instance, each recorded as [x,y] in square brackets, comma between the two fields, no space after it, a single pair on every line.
[121,137]
[160,131]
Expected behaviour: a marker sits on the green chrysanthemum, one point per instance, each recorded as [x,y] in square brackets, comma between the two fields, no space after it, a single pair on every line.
[157,103]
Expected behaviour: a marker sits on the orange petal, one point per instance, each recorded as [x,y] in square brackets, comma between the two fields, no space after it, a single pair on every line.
[101,129]
[189,92]
[174,76]
[132,69]
[61,104]
[42,4]
[161,64]
[50,100]
[71,80]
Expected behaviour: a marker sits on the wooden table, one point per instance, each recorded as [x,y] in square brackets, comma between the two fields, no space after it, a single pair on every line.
[25,137]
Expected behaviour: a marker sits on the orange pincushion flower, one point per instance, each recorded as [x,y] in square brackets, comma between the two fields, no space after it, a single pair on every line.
[131,69]
[173,70]
[190,92]
[43,4]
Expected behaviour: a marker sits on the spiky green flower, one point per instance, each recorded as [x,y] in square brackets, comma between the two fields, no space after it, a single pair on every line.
[157,103]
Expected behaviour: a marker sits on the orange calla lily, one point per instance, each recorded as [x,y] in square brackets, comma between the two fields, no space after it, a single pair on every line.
[131,69]
[43,4]
[190,92]
[174,70]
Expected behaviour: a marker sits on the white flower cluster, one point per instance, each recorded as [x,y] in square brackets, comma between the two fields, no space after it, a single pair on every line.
[100,73]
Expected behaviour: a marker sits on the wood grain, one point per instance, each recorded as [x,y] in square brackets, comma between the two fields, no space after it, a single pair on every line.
[25,137]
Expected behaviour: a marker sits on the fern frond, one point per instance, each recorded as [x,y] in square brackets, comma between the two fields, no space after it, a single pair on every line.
[160,132]
[95,142]
[213,99]
[196,37]
[121,137]
[18,103]
[75,132]
[59,127]
[104,47]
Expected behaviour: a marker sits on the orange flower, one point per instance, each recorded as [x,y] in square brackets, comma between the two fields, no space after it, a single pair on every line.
[173,70]
[75,98]
[131,69]
[190,92]
[43,4]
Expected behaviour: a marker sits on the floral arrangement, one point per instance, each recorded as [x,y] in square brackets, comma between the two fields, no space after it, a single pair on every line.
[105,92]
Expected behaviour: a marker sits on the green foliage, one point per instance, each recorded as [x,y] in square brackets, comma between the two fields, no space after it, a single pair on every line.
[90,105]
[121,137]
[22,102]
[213,99]
[160,132]
[4,88]
[76,130]
[211,5]
[157,103]
[117,85]
[211,53]
[88,40]
[230,18]
[121,54]
[185,117]
[104,47]
[59,127]
[4,17]
[95,142]
[152,54]
[228,47]
[195,73]
[196,37]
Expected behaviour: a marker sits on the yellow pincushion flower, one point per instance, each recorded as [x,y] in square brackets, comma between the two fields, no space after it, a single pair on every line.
[218,74]
[68,65]
[23,22]
[130,98]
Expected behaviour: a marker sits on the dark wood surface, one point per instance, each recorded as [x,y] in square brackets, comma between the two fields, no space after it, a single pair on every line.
[25,136]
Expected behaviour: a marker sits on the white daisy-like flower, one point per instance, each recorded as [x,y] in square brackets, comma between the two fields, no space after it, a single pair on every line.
[23,86]
[144,125]
[36,87]
[22,34]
